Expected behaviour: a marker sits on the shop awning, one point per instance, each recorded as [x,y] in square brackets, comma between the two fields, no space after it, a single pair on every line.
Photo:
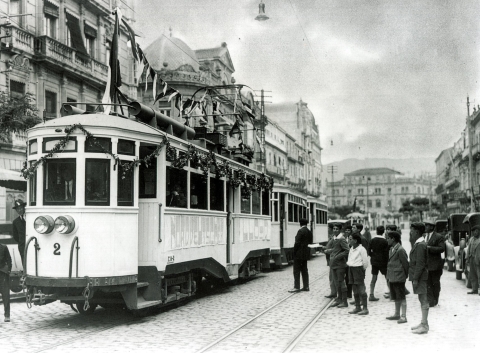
[12,179]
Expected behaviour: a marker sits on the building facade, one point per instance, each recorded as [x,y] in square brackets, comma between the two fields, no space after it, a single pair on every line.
[454,188]
[293,150]
[379,192]
[58,52]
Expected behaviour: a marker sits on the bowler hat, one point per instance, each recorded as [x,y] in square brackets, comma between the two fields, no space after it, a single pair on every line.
[18,203]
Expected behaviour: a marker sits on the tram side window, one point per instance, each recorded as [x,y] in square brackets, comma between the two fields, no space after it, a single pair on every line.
[290,212]
[59,182]
[97,182]
[217,194]
[125,186]
[147,179]
[198,191]
[318,217]
[275,211]
[245,204]
[265,202]
[33,187]
[176,185]
[256,202]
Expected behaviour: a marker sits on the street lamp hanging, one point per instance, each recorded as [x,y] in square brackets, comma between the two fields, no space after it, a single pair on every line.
[261,12]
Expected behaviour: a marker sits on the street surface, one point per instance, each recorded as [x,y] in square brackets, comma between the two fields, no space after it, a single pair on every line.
[454,324]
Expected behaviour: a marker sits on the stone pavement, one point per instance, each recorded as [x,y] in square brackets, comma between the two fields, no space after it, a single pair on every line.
[55,327]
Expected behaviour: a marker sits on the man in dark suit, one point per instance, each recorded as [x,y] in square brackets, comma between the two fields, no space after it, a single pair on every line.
[301,254]
[328,247]
[435,247]
[5,268]
[19,226]
[378,252]
[418,273]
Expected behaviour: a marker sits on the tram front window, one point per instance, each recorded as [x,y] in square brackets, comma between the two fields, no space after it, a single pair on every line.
[59,182]
[97,182]
[265,202]
[245,204]
[125,186]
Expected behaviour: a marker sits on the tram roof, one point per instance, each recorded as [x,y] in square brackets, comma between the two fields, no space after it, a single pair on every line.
[98,121]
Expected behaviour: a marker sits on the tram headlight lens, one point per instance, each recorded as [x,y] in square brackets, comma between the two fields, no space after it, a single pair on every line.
[64,224]
[43,224]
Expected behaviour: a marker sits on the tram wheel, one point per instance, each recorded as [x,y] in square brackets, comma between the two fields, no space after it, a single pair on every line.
[89,311]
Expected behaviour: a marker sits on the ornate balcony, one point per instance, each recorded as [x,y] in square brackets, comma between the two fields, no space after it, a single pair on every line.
[20,39]
[61,55]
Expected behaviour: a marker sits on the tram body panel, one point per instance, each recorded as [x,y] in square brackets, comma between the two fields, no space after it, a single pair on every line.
[190,237]
[320,234]
[249,234]
[107,241]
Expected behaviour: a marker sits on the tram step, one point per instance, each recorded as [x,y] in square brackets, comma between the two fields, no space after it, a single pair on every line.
[146,304]
[142,284]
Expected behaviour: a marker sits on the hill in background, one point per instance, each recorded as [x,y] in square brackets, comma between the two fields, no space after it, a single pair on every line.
[409,166]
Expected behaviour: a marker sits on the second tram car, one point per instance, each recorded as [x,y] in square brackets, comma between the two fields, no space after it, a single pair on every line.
[121,213]
[288,207]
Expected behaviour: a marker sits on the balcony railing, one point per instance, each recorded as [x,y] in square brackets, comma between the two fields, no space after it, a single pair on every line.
[53,49]
[21,39]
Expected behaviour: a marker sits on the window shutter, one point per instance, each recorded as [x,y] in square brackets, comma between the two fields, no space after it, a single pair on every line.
[76,34]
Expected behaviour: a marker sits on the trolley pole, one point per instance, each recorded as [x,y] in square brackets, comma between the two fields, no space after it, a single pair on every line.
[470,157]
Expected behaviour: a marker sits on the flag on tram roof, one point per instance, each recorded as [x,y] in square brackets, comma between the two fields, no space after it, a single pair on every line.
[114,79]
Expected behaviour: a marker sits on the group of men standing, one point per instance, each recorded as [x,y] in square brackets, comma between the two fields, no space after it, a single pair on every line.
[347,255]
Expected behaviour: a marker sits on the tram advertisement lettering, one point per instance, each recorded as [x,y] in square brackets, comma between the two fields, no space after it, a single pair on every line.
[191,231]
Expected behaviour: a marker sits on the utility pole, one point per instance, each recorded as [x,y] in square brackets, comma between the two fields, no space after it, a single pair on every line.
[333,169]
[470,157]
[261,129]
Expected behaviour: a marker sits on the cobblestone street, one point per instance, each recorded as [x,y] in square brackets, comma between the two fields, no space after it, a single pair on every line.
[202,321]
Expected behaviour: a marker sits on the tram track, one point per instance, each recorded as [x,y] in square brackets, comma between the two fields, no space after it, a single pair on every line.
[293,342]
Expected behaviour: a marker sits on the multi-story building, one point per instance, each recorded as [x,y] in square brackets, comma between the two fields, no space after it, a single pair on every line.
[379,192]
[454,187]
[58,52]
[294,142]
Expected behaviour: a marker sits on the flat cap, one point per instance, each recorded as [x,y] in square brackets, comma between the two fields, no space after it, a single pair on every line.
[476,227]
[417,225]
[429,221]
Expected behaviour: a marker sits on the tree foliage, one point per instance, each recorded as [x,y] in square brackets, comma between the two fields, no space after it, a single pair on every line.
[344,210]
[17,114]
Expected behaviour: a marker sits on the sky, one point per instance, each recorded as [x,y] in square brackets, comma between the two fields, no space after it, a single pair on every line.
[383,78]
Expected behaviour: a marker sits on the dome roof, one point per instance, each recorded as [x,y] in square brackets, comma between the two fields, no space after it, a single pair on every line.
[172,51]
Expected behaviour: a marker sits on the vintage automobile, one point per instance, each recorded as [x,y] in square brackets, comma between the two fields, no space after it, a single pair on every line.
[458,235]
[472,219]
[441,227]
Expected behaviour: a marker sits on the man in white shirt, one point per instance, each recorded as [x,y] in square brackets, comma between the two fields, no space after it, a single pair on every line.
[357,264]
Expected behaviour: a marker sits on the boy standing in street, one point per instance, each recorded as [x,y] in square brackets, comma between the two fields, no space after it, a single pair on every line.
[357,264]
[378,252]
[397,273]
[418,273]
[338,263]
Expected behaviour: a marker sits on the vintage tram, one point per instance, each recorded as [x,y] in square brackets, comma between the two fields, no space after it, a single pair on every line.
[288,207]
[459,233]
[134,212]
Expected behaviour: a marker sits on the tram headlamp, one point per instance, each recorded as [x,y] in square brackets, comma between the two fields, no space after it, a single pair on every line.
[64,224]
[43,224]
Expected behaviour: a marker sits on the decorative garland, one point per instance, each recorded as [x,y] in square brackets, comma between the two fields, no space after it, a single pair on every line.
[205,161]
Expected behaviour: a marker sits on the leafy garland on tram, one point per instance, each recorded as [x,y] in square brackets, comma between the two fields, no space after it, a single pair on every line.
[207,162]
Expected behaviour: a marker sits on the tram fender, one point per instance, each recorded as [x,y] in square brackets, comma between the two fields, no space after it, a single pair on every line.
[209,265]
[130,296]
[151,275]
[263,254]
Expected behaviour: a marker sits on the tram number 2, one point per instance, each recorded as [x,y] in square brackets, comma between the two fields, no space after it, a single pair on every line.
[56,246]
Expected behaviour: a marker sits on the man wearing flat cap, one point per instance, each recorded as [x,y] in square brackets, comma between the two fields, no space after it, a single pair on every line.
[418,273]
[435,247]
[473,258]
[19,227]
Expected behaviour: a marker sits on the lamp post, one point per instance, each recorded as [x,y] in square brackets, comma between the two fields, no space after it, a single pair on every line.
[366,208]
[332,169]
[470,157]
